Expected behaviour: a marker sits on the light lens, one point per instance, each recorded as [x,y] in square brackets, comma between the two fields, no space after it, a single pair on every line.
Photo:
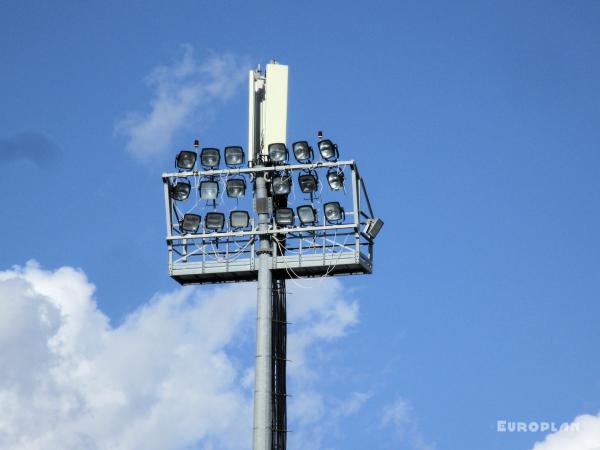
[181,190]
[185,160]
[284,216]
[214,221]
[278,153]
[234,156]
[308,183]
[190,223]
[236,187]
[302,151]
[209,190]
[335,179]
[210,158]
[281,185]
[307,215]
[328,150]
[239,219]
[334,213]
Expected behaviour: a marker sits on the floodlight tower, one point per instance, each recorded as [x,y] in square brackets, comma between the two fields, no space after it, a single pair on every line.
[268,247]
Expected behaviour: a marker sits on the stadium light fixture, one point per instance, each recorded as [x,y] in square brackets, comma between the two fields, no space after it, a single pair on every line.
[284,217]
[180,191]
[185,160]
[308,183]
[334,213]
[373,227]
[281,184]
[190,223]
[303,152]
[214,221]
[210,158]
[235,187]
[209,190]
[307,215]
[278,153]
[234,156]
[239,220]
[328,150]
[335,179]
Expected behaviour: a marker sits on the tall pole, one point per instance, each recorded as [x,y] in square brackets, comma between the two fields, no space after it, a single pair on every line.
[262,385]
[267,122]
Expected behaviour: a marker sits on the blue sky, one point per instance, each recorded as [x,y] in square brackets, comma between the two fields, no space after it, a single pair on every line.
[475,125]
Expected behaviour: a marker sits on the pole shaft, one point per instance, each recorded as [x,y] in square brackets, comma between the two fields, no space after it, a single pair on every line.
[262,383]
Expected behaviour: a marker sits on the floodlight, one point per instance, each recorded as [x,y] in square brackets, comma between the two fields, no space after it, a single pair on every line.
[373,227]
[281,184]
[284,216]
[239,219]
[234,156]
[209,190]
[185,160]
[214,221]
[335,178]
[308,183]
[181,190]
[190,223]
[278,153]
[236,187]
[302,152]
[210,158]
[329,150]
[307,215]
[334,213]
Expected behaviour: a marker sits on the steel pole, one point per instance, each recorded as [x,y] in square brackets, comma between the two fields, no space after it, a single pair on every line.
[262,378]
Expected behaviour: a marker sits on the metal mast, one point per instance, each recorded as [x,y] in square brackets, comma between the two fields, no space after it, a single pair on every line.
[267,125]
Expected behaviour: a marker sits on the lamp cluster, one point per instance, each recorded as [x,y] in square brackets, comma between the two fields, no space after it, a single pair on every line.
[308,182]
[235,186]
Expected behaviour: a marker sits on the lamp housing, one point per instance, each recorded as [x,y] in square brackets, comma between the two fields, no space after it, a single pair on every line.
[328,150]
[239,220]
[185,160]
[334,213]
[278,153]
[284,217]
[303,152]
[307,215]
[236,187]
[234,156]
[335,179]
[209,190]
[281,184]
[308,182]
[210,158]
[190,223]
[180,191]
[214,221]
[373,227]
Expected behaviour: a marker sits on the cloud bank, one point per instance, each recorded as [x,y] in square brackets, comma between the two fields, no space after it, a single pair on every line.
[183,95]
[581,434]
[163,379]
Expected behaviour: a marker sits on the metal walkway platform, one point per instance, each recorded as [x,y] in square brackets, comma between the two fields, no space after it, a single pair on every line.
[291,266]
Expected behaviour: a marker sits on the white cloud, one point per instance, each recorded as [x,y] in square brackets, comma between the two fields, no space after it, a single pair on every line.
[581,434]
[319,312]
[353,404]
[183,95]
[399,416]
[163,379]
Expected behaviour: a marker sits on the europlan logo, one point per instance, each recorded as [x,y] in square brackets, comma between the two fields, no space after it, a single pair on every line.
[511,426]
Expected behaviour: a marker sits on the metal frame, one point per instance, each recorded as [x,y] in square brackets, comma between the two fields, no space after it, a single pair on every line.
[319,250]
